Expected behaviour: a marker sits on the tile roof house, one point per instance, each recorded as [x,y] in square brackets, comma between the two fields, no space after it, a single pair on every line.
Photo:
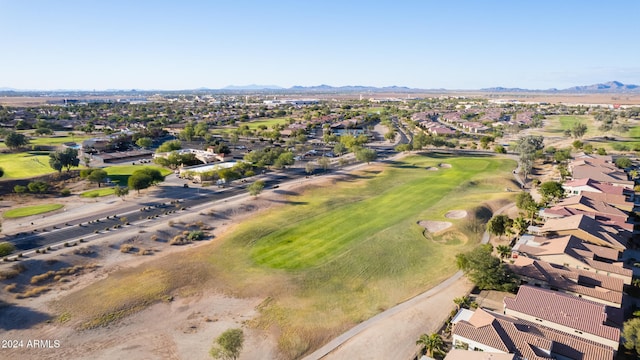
[577,186]
[584,284]
[620,221]
[582,318]
[460,354]
[571,252]
[587,229]
[599,170]
[490,332]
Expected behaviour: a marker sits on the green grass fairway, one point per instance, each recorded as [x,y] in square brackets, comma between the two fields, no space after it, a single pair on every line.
[31,210]
[325,230]
[268,122]
[25,164]
[120,174]
[98,192]
[53,140]
[334,255]
[557,124]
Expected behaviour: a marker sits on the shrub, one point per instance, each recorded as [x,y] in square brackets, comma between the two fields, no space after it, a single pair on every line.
[125,248]
[11,287]
[6,248]
[195,235]
[65,192]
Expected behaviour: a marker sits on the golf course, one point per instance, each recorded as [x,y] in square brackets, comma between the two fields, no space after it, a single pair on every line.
[327,255]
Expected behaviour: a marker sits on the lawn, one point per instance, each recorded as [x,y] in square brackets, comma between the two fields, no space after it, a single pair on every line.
[329,259]
[25,164]
[557,124]
[120,173]
[268,122]
[31,210]
[98,192]
[53,140]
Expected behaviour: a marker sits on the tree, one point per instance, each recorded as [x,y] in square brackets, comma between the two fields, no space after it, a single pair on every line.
[66,158]
[462,302]
[228,345]
[97,176]
[631,334]
[121,191]
[170,145]
[528,147]
[256,188]
[323,162]
[499,224]
[504,251]
[499,149]
[309,167]
[15,140]
[285,159]
[578,130]
[143,178]
[144,142]
[486,270]
[551,190]
[520,225]
[366,155]
[623,162]
[431,343]
[525,202]
[1,172]
[187,133]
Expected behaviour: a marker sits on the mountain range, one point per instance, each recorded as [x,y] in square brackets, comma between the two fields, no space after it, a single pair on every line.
[608,87]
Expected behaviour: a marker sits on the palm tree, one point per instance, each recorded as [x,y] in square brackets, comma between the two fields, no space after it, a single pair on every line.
[462,302]
[504,251]
[431,343]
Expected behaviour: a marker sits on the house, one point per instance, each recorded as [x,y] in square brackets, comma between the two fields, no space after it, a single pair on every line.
[441,130]
[558,211]
[583,284]
[577,186]
[460,354]
[587,229]
[599,170]
[582,318]
[571,252]
[489,332]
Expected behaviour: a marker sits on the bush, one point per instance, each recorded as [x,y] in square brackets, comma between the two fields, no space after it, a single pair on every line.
[65,192]
[6,248]
[125,248]
[195,235]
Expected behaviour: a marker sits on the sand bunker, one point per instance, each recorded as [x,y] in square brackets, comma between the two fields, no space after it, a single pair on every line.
[431,168]
[434,226]
[446,166]
[456,214]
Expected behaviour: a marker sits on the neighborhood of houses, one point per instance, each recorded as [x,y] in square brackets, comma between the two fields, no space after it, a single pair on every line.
[574,271]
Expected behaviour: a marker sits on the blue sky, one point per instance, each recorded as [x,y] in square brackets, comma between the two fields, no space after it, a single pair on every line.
[422,44]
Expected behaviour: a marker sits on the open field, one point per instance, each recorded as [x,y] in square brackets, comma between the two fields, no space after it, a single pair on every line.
[31,210]
[25,164]
[120,173]
[338,277]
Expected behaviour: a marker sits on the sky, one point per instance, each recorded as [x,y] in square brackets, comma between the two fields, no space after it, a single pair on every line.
[427,44]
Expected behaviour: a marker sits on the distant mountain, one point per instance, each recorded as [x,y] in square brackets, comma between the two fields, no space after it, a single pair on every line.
[611,86]
[252,87]
[608,87]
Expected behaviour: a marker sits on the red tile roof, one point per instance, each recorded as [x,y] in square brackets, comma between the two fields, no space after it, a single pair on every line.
[566,310]
[524,338]
[576,281]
